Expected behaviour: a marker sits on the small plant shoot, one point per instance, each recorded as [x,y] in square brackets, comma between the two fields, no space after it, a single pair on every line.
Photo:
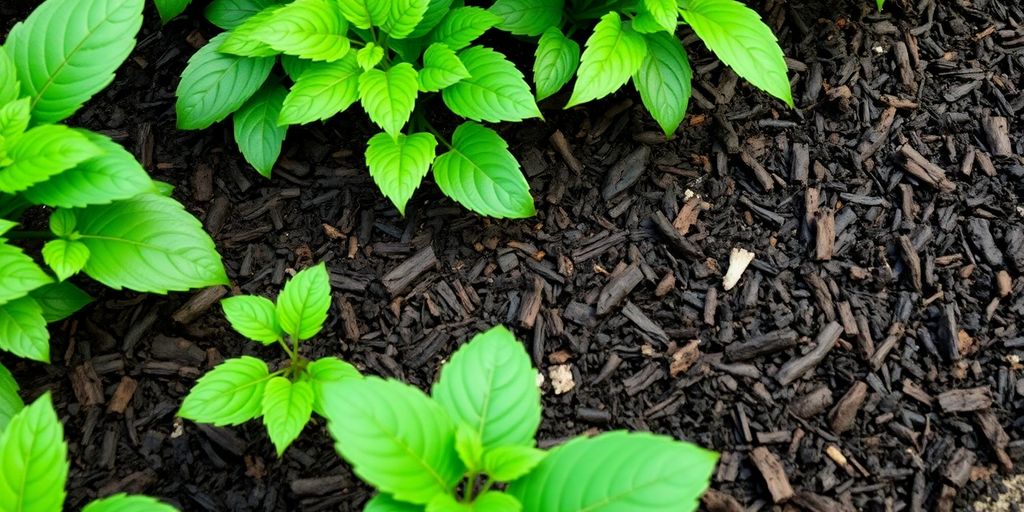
[107,218]
[242,389]
[470,446]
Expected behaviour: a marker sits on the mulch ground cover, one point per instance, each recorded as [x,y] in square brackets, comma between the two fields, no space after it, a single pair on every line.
[869,357]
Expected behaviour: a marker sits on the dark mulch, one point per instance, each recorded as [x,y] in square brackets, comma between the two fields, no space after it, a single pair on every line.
[887,202]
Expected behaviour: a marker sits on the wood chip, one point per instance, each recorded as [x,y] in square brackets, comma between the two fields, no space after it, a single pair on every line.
[773,472]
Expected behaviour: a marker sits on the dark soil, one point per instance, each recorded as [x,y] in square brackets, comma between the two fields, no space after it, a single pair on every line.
[887,202]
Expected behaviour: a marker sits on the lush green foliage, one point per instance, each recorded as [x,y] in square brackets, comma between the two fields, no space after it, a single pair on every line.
[242,389]
[455,450]
[110,220]
[34,458]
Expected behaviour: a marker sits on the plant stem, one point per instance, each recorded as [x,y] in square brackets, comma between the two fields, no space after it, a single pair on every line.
[433,131]
[467,492]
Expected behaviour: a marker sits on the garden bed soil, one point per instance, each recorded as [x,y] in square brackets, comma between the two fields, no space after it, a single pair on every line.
[868,358]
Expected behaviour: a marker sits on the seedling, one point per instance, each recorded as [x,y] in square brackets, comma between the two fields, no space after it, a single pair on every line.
[242,389]
[470,446]
[109,219]
[34,458]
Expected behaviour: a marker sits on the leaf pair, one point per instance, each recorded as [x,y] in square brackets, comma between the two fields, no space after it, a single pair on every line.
[33,455]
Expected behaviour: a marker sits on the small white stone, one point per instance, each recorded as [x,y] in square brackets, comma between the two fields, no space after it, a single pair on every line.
[561,378]
[739,258]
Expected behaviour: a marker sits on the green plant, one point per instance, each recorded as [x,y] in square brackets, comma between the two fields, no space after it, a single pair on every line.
[470,446]
[34,458]
[109,219]
[242,389]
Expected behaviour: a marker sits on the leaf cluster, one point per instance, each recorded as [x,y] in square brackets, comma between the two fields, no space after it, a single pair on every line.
[109,219]
[244,388]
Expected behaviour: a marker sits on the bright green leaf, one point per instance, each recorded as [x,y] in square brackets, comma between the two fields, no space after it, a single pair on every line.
[324,89]
[19,274]
[880,4]
[664,80]
[67,50]
[294,66]
[403,16]
[490,385]
[10,401]
[557,58]
[128,503]
[665,12]
[398,164]
[310,29]
[528,17]
[462,26]
[6,225]
[364,13]
[303,303]
[59,300]
[395,437]
[216,84]
[228,14]
[385,503]
[369,56]
[287,407]
[253,317]
[112,176]
[23,330]
[170,9]
[614,52]
[441,68]
[230,394]
[495,90]
[9,86]
[325,372]
[33,456]
[618,471]
[508,463]
[737,35]
[481,174]
[436,11]
[470,447]
[389,96]
[448,503]
[14,119]
[63,223]
[65,257]
[42,152]
[148,243]
[257,133]
[244,40]
[495,501]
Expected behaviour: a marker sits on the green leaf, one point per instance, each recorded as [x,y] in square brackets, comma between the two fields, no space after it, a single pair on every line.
[253,317]
[67,50]
[148,243]
[448,503]
[324,89]
[490,385]
[528,17]
[556,60]
[462,26]
[737,35]
[508,463]
[294,66]
[470,447]
[63,223]
[14,120]
[403,16]
[10,401]
[495,90]
[398,164]
[389,96]
[35,460]
[665,80]
[244,40]
[364,13]
[65,257]
[9,86]
[665,12]
[287,407]
[257,133]
[230,394]
[59,300]
[385,503]
[369,56]
[112,176]
[441,68]
[302,305]
[480,174]
[495,501]
[126,503]
[228,14]
[327,371]
[436,11]
[655,473]
[23,330]
[19,274]
[216,84]
[880,4]
[310,29]
[170,9]
[614,52]
[395,437]
[42,152]
[6,225]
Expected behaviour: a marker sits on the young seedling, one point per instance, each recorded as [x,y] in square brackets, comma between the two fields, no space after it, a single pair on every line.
[470,446]
[242,389]
[34,458]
